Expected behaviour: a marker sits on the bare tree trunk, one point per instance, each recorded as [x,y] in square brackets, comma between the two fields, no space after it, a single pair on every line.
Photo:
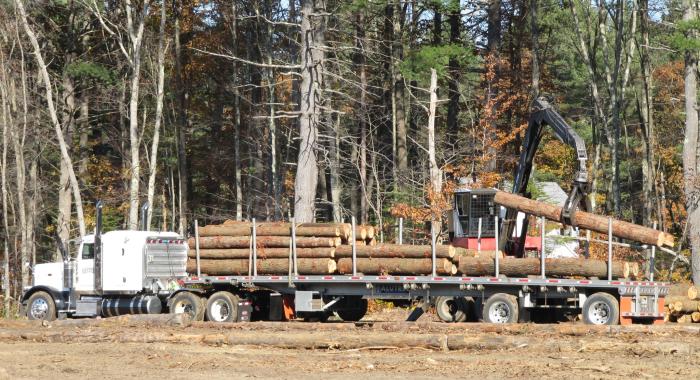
[534,30]
[312,44]
[236,117]
[3,188]
[399,96]
[158,117]
[20,173]
[136,39]
[690,145]
[65,156]
[647,117]
[183,193]
[455,22]
[64,186]
[362,116]
[435,172]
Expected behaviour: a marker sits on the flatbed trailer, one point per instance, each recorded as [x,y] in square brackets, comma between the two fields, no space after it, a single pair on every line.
[635,301]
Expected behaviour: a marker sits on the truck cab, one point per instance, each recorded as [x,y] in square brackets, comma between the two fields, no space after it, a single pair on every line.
[118,272]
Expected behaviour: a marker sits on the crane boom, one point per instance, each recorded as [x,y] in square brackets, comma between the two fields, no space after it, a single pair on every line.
[543,113]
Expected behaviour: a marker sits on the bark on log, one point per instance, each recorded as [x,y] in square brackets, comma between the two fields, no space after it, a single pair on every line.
[586,220]
[262,253]
[360,233]
[475,253]
[671,300]
[473,266]
[371,232]
[693,293]
[271,229]
[264,241]
[239,267]
[397,266]
[396,251]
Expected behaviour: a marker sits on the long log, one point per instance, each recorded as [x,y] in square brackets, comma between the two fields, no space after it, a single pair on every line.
[474,266]
[238,267]
[586,220]
[397,266]
[693,293]
[272,229]
[396,251]
[262,253]
[264,241]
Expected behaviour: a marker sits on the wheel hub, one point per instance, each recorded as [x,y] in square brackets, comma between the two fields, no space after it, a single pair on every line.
[499,312]
[599,313]
[39,308]
[220,311]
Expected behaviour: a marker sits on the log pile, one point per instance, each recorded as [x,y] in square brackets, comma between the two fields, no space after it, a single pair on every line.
[683,306]
[325,248]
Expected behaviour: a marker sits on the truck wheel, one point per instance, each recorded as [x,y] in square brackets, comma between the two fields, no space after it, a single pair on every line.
[222,307]
[352,309]
[501,308]
[187,303]
[601,309]
[452,309]
[41,306]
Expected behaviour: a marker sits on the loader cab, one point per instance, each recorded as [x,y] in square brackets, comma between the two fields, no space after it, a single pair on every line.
[471,208]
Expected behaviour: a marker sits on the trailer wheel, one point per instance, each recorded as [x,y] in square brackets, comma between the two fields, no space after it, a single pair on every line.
[351,308]
[41,306]
[188,303]
[453,309]
[501,308]
[601,309]
[222,307]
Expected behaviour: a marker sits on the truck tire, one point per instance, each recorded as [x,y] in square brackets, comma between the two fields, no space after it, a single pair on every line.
[188,303]
[352,308]
[601,309]
[222,307]
[501,308]
[41,306]
[453,309]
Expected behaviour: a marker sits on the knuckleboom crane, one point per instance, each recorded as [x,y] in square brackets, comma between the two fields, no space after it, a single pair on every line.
[471,205]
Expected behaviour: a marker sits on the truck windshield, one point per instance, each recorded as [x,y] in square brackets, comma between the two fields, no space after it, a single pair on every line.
[88,251]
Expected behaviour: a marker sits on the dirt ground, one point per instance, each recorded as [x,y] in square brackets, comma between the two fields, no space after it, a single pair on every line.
[529,351]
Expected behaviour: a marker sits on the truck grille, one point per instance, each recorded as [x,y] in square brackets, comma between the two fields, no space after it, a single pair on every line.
[166,260]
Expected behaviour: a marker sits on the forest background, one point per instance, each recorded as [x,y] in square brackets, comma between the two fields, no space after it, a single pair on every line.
[322,110]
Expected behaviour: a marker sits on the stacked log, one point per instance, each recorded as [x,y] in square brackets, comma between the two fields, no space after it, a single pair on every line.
[396,251]
[240,267]
[564,267]
[682,305]
[393,266]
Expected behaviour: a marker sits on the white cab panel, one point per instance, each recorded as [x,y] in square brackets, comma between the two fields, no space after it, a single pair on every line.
[50,274]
